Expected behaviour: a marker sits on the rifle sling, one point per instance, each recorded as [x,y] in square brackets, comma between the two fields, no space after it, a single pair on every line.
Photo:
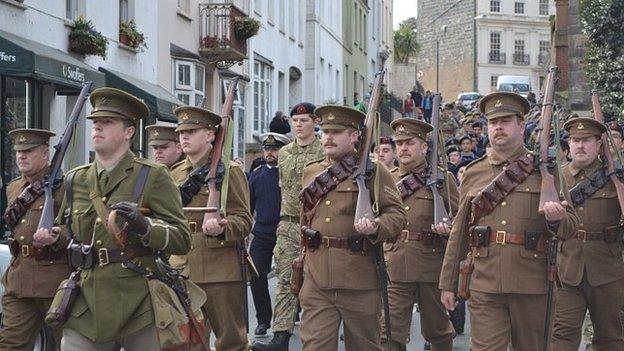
[18,207]
[502,185]
[588,187]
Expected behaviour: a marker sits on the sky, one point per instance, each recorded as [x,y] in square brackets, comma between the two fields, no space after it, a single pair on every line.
[403,9]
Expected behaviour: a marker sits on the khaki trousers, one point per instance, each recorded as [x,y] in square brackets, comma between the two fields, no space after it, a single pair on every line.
[225,313]
[323,310]
[435,325]
[603,302]
[22,320]
[142,340]
[497,319]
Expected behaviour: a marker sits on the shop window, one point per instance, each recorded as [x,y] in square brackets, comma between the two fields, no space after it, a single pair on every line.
[190,87]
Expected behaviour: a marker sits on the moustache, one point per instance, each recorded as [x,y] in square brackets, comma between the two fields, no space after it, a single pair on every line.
[330,144]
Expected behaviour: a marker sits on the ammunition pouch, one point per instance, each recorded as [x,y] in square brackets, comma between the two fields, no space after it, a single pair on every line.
[81,256]
[18,207]
[584,189]
[197,179]
[311,238]
[480,235]
[326,182]
[356,243]
[412,182]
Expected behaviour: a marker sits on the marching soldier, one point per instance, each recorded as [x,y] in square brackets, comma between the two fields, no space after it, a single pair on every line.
[341,282]
[214,262]
[591,270]
[165,144]
[507,238]
[114,305]
[415,259]
[264,194]
[292,158]
[37,266]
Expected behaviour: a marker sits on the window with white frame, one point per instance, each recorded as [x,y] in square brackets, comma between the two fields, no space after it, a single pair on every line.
[189,82]
[494,5]
[124,11]
[73,9]
[519,7]
[543,7]
[262,82]
[493,82]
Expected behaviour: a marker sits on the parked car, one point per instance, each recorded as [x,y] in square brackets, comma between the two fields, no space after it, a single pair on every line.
[514,84]
[468,99]
[45,340]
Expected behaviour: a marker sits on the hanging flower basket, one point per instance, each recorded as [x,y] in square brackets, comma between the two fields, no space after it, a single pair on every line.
[130,36]
[85,40]
[246,27]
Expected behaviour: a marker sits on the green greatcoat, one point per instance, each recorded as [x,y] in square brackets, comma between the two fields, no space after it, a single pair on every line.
[115,301]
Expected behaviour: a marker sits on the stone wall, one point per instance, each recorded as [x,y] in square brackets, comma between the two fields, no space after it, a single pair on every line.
[456,45]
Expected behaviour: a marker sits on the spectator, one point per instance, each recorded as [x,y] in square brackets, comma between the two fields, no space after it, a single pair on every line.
[408,106]
[466,146]
[386,152]
[416,96]
[426,104]
[279,124]
[454,159]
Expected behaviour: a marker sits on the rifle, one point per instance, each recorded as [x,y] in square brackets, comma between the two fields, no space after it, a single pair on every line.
[435,176]
[548,192]
[364,208]
[606,151]
[54,177]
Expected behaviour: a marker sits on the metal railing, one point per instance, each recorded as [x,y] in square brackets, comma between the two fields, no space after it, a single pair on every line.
[216,28]
[521,59]
[497,57]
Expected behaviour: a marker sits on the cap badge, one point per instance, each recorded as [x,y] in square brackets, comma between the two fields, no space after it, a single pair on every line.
[270,139]
[400,128]
[184,116]
[580,126]
[301,110]
[22,139]
[331,117]
[103,101]
[498,104]
[156,134]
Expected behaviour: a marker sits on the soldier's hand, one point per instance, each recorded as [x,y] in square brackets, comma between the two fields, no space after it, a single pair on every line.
[442,228]
[555,211]
[44,237]
[131,214]
[448,300]
[214,226]
[366,226]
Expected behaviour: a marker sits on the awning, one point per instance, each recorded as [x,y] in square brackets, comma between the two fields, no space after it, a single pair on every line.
[25,58]
[160,102]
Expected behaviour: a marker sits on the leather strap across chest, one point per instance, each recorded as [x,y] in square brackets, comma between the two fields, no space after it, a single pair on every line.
[502,185]
[412,182]
[325,182]
[588,187]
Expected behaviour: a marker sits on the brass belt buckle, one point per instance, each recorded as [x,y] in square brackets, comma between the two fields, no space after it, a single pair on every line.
[581,235]
[193,227]
[405,234]
[325,241]
[103,256]
[25,250]
[501,237]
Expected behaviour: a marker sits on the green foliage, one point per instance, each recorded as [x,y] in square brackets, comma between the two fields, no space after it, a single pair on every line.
[246,27]
[136,39]
[602,23]
[85,40]
[405,44]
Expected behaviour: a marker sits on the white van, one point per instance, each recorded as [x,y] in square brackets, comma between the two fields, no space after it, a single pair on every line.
[514,84]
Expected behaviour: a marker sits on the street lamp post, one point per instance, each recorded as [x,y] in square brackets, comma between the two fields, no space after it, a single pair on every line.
[438,59]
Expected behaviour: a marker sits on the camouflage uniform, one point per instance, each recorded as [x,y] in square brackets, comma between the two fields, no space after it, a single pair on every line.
[292,158]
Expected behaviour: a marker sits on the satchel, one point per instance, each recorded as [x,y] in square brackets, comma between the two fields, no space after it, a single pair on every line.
[64,298]
[174,328]
[465,275]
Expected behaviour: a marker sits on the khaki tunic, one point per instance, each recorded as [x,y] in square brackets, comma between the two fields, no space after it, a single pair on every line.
[114,301]
[27,277]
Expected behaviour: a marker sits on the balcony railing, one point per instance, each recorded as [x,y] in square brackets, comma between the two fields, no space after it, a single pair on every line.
[521,59]
[217,39]
[542,59]
[497,57]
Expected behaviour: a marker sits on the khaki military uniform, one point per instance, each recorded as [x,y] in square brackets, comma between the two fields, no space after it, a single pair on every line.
[509,282]
[214,263]
[591,270]
[291,161]
[30,284]
[414,269]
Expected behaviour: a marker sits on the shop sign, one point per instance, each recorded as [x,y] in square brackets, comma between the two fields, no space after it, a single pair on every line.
[5,57]
[73,73]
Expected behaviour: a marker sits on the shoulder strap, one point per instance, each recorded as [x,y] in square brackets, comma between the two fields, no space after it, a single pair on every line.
[140,183]
[501,186]
[69,197]
[588,187]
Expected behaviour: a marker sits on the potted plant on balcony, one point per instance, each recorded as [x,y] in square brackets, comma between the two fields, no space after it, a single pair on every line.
[246,27]
[85,40]
[129,35]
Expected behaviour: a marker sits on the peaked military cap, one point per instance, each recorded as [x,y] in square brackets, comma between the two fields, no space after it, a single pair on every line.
[191,117]
[302,108]
[161,135]
[111,102]
[273,140]
[452,148]
[407,128]
[26,139]
[501,104]
[339,117]
[584,126]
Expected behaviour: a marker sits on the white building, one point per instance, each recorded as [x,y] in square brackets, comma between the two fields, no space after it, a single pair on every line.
[513,38]
[380,43]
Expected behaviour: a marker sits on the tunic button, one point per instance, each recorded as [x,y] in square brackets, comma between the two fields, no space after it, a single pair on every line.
[581,208]
[477,254]
[504,222]
[527,189]
[75,211]
[581,224]
[21,238]
[40,207]
[327,219]
[534,255]
[104,199]
[327,202]
[432,250]
[407,208]
[98,220]
[348,189]
[99,242]
[504,203]
[222,243]
[582,177]
[24,220]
